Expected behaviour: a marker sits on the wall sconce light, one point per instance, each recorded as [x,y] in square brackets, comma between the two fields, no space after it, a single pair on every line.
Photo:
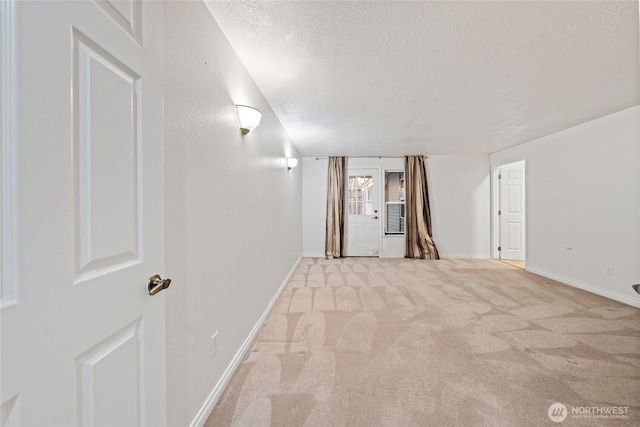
[248,118]
[292,162]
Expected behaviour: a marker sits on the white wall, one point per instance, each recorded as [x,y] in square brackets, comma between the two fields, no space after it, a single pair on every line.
[460,199]
[460,205]
[233,211]
[314,205]
[582,204]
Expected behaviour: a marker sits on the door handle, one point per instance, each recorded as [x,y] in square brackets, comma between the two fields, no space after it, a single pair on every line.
[157,284]
[375,217]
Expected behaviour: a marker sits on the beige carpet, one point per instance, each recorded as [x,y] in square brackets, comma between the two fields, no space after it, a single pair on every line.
[395,342]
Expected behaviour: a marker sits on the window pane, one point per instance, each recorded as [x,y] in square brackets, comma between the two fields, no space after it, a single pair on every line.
[368,208]
[395,218]
[394,202]
[394,186]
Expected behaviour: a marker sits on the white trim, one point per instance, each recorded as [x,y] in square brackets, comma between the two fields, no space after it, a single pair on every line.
[635,302]
[9,226]
[383,205]
[313,255]
[207,407]
[494,227]
[442,255]
[465,255]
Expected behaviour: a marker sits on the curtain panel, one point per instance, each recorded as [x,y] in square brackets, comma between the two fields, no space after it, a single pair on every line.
[418,234]
[335,245]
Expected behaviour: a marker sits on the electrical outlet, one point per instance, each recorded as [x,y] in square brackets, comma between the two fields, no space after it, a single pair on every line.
[610,270]
[214,343]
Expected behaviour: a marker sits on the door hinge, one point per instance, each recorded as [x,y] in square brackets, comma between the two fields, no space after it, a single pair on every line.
[499,248]
[499,212]
[499,176]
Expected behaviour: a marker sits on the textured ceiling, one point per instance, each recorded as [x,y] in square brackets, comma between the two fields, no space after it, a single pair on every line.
[393,78]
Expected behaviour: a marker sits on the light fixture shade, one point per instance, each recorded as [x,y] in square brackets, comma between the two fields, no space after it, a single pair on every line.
[292,162]
[248,118]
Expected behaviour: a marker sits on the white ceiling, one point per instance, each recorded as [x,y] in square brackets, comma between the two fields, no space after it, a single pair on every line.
[394,78]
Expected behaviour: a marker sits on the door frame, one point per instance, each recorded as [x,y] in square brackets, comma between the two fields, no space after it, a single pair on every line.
[495,206]
[9,214]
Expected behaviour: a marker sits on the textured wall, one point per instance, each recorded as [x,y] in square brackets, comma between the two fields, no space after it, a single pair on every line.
[582,204]
[233,211]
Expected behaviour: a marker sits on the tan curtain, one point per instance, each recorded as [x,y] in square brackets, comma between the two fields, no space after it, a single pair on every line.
[335,246]
[418,235]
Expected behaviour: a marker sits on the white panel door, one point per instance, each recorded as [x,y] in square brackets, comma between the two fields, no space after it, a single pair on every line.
[83,342]
[512,211]
[363,227]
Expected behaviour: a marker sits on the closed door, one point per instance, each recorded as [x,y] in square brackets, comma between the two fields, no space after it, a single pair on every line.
[363,226]
[512,211]
[83,342]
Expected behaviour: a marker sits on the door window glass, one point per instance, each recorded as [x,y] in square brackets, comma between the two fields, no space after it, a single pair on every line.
[360,195]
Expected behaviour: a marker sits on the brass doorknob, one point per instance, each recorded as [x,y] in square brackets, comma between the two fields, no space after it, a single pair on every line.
[157,284]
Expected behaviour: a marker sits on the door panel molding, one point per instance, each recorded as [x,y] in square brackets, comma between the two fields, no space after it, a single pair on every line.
[123,351]
[127,15]
[106,201]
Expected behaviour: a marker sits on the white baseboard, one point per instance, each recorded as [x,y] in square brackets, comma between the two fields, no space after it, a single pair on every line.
[208,405]
[442,255]
[313,255]
[463,255]
[635,302]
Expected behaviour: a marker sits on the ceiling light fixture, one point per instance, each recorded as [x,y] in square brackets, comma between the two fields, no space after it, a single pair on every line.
[292,162]
[248,118]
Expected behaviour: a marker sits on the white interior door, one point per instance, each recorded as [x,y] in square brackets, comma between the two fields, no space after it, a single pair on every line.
[83,342]
[512,211]
[363,228]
